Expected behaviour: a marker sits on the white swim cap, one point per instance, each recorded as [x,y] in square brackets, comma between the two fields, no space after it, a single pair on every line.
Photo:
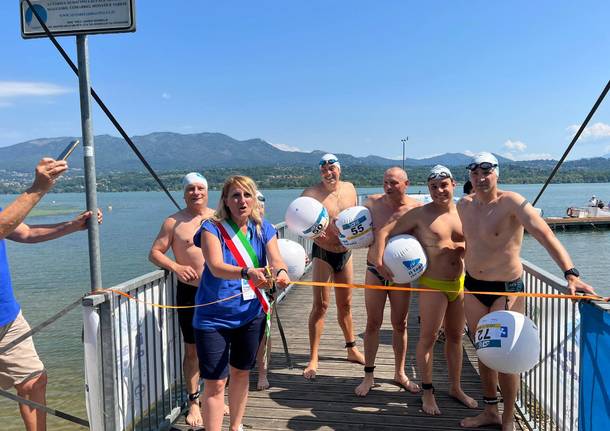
[484,157]
[355,227]
[260,197]
[306,217]
[405,257]
[294,256]
[507,342]
[329,159]
[439,172]
[194,178]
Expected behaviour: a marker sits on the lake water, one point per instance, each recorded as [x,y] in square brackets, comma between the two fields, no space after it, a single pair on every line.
[49,275]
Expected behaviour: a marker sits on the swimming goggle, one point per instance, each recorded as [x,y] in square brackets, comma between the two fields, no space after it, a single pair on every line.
[261,198]
[483,165]
[328,162]
[439,175]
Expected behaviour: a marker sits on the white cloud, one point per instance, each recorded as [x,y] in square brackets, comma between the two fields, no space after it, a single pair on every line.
[527,156]
[285,147]
[11,89]
[166,96]
[469,153]
[515,145]
[594,131]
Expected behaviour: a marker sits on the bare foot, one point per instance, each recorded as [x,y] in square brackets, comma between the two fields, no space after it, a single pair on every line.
[354,355]
[263,383]
[485,418]
[403,381]
[429,405]
[310,371]
[193,418]
[508,426]
[367,383]
[459,395]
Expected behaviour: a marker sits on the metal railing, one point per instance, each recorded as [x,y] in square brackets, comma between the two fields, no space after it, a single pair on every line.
[548,396]
[138,356]
[134,352]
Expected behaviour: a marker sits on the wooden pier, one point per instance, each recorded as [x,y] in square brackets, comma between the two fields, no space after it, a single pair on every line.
[329,402]
[577,223]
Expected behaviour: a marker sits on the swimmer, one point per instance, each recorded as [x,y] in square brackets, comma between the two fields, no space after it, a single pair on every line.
[439,230]
[386,208]
[331,262]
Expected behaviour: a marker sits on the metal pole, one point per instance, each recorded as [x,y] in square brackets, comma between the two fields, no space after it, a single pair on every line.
[84,85]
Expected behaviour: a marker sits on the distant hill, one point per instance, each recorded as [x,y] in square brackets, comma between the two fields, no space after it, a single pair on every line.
[173,151]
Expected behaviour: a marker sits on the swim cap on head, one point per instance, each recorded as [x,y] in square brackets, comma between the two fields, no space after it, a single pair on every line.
[507,342]
[306,217]
[194,178]
[260,197]
[405,257]
[355,226]
[439,172]
[329,159]
[484,157]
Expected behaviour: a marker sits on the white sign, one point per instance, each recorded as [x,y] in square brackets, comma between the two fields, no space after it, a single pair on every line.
[72,17]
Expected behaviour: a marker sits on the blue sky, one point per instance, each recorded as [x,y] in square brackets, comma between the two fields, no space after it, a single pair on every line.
[514,77]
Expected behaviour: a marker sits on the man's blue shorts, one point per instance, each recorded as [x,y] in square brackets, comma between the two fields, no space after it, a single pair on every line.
[217,348]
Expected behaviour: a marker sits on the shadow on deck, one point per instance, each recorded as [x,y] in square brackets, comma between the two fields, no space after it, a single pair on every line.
[329,402]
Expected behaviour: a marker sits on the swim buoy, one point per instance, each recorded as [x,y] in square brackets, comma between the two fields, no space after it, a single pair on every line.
[355,227]
[507,342]
[294,256]
[306,217]
[405,257]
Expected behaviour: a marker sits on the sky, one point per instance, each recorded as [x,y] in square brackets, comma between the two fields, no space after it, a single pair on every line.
[516,78]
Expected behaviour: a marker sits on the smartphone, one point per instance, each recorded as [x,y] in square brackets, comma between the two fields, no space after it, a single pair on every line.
[68,150]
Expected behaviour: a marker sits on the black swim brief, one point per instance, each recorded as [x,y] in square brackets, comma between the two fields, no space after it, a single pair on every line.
[337,261]
[373,270]
[185,295]
[474,285]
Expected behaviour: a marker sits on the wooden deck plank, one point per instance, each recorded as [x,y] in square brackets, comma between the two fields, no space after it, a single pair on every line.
[329,402]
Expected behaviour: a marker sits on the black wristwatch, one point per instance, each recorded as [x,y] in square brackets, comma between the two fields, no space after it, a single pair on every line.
[571,271]
[244,274]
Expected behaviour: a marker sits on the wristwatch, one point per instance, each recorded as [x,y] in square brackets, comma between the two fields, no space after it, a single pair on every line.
[244,273]
[571,271]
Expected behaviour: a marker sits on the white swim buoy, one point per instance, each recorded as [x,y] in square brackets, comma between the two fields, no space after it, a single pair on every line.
[355,227]
[405,257]
[294,256]
[508,342]
[306,217]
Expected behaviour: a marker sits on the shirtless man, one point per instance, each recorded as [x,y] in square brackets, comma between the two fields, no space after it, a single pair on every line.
[331,262]
[386,208]
[493,221]
[439,230]
[177,232]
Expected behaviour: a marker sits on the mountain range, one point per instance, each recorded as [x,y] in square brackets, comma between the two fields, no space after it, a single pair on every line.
[167,151]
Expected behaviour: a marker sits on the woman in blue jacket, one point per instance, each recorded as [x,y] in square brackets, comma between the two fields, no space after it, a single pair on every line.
[241,251]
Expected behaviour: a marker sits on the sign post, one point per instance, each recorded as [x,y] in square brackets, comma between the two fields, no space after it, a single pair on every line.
[47,18]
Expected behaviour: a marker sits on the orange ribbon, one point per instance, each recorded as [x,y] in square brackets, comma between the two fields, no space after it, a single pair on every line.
[472,292]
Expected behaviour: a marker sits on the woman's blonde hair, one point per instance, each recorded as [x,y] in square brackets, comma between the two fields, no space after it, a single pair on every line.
[247,184]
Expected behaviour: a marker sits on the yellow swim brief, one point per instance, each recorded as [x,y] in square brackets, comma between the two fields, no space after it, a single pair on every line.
[451,288]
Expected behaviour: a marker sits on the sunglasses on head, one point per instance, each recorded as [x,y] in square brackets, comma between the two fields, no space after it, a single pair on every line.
[483,165]
[328,162]
[439,175]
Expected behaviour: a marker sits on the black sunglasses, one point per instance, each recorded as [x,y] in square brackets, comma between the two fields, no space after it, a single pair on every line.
[483,165]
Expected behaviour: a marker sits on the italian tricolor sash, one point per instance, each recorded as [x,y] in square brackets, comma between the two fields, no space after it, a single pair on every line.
[244,254]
